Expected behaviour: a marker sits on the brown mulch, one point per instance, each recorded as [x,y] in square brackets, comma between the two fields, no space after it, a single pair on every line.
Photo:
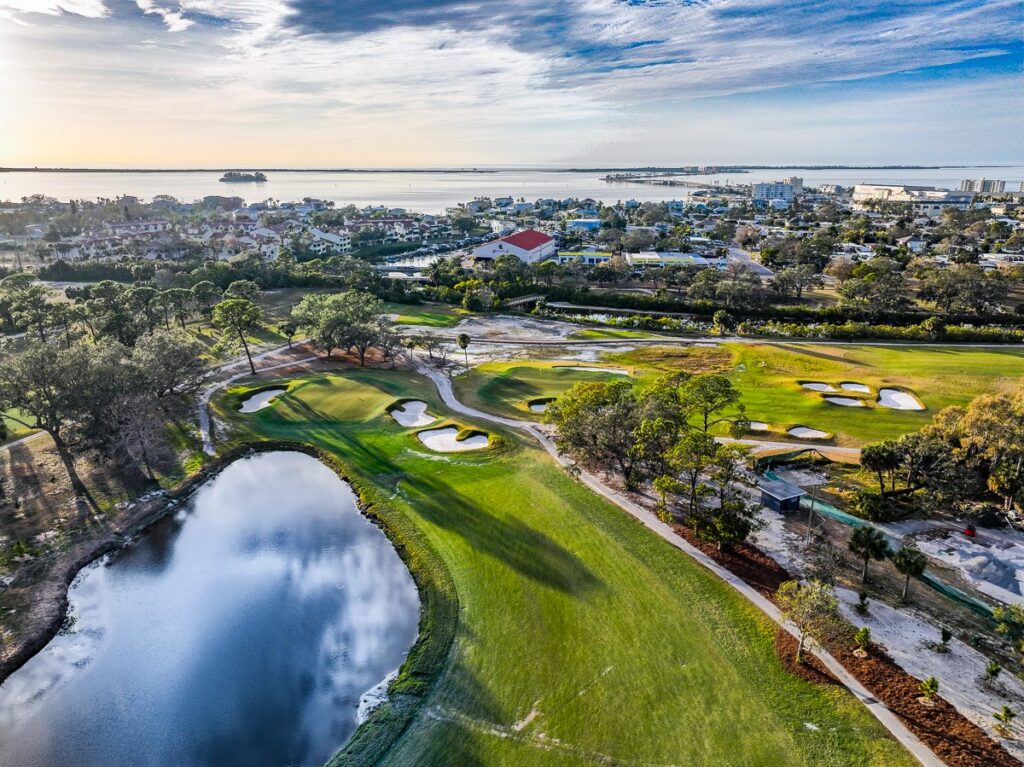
[812,669]
[954,739]
[748,562]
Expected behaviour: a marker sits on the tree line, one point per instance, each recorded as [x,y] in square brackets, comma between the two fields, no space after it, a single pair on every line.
[663,435]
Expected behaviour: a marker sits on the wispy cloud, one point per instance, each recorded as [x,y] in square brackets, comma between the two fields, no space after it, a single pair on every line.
[530,76]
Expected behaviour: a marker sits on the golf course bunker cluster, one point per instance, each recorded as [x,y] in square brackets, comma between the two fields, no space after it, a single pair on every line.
[446,440]
[411,413]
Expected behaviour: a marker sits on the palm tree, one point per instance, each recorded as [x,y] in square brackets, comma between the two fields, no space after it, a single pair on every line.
[868,543]
[463,341]
[910,561]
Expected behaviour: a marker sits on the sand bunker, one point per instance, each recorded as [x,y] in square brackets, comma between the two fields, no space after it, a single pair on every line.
[858,387]
[613,371]
[443,440]
[803,432]
[898,400]
[845,401]
[259,400]
[817,386]
[539,405]
[413,413]
[758,426]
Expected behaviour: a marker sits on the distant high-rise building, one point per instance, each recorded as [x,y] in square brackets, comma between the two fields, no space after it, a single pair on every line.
[796,182]
[773,191]
[982,185]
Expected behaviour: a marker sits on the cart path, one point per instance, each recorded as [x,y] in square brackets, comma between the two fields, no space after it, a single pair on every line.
[882,712]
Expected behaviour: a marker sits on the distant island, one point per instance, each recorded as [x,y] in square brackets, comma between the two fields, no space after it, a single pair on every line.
[235,176]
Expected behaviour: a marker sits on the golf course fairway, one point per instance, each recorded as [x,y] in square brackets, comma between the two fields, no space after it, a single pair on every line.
[555,630]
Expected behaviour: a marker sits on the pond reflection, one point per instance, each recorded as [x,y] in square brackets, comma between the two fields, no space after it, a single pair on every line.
[241,631]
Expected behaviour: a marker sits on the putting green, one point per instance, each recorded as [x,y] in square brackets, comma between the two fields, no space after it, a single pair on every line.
[578,637]
[508,388]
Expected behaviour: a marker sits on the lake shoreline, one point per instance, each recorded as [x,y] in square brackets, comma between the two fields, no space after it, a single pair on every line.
[417,673]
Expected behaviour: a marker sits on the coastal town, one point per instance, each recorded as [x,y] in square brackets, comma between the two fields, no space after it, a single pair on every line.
[602,383]
[713,227]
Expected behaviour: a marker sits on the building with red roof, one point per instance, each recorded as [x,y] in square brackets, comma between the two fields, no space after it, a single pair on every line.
[529,245]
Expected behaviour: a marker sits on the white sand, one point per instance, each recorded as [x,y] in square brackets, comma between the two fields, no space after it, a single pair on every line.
[804,432]
[412,413]
[443,440]
[904,635]
[817,386]
[845,401]
[898,400]
[539,407]
[904,632]
[614,371]
[260,400]
[859,387]
[758,426]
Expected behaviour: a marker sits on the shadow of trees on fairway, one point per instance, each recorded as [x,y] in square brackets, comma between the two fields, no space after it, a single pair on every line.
[507,538]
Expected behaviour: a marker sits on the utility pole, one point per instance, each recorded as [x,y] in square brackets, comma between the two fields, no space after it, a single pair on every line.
[810,517]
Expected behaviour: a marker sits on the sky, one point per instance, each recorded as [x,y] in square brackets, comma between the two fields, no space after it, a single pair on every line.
[584,83]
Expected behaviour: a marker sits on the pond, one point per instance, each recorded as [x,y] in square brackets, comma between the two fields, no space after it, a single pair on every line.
[244,629]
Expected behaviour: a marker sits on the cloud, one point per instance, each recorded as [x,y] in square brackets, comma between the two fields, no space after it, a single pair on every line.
[88,8]
[523,79]
[174,18]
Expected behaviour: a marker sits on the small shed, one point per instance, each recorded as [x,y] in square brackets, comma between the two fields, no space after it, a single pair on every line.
[780,496]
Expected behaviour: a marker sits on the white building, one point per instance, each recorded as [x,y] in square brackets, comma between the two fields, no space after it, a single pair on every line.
[328,243]
[796,182]
[983,185]
[529,245]
[775,190]
[928,200]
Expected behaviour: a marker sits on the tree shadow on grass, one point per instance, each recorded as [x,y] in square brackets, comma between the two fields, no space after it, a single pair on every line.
[808,352]
[508,539]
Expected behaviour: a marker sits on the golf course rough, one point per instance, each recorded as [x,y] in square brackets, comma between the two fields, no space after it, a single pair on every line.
[576,636]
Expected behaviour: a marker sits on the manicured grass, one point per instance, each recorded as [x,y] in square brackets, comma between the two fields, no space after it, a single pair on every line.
[579,637]
[508,388]
[430,315]
[600,334]
[768,376]
[15,430]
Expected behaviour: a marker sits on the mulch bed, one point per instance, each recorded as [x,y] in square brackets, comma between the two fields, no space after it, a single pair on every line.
[748,562]
[954,739]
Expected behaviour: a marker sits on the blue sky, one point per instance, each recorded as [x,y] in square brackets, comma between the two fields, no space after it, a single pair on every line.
[453,82]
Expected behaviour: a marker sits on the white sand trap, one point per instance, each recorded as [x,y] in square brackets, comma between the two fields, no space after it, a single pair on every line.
[758,426]
[443,440]
[412,413]
[817,386]
[845,401]
[259,400]
[898,400]
[858,387]
[613,371]
[803,432]
[539,407]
